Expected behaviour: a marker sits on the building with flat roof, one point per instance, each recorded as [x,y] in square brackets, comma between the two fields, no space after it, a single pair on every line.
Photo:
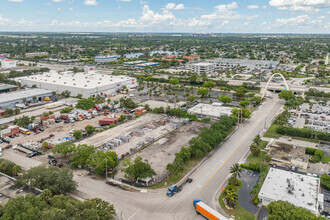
[252,64]
[88,84]
[7,88]
[201,68]
[298,189]
[214,110]
[9,100]
[8,64]
[105,59]
[36,54]
[147,64]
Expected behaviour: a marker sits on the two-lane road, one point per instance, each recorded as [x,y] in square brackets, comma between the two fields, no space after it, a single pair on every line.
[208,178]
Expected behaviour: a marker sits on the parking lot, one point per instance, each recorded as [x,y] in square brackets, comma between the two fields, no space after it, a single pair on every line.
[249,179]
[318,117]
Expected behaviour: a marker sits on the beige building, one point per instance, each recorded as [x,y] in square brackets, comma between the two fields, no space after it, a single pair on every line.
[36,54]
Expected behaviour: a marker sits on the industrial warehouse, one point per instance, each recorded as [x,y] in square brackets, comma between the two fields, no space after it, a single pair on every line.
[9,100]
[88,84]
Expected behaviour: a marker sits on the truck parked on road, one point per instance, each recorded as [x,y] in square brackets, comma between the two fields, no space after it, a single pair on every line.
[173,189]
[205,210]
[24,131]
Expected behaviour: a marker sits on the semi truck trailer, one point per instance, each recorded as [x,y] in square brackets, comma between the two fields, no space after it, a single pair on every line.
[205,210]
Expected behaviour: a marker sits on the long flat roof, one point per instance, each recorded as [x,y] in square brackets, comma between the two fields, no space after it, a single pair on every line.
[244,61]
[6,86]
[77,80]
[11,96]
[214,110]
[304,193]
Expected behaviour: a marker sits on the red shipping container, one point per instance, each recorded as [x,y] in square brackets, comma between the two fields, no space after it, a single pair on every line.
[52,117]
[64,116]
[144,111]
[14,130]
[44,118]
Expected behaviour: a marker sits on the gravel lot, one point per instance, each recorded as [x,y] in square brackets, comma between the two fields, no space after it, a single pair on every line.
[162,152]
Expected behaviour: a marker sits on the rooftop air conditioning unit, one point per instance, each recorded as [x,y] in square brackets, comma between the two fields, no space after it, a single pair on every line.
[85,85]
[74,84]
[64,82]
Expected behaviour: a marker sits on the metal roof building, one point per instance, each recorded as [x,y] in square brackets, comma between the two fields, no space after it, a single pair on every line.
[298,189]
[7,88]
[8,100]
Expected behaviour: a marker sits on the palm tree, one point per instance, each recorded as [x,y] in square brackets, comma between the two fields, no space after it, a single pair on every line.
[236,170]
[257,139]
[255,149]
[3,166]
[16,170]
[231,197]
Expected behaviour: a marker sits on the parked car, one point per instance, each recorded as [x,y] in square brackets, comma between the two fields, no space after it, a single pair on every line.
[32,154]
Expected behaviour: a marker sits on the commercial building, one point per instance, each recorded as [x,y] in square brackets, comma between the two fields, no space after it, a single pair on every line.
[147,64]
[36,54]
[89,68]
[4,55]
[8,64]
[298,189]
[134,62]
[214,110]
[105,59]
[88,84]
[252,64]
[7,88]
[9,100]
[201,68]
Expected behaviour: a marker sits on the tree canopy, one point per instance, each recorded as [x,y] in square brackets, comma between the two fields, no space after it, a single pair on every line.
[58,207]
[138,169]
[57,180]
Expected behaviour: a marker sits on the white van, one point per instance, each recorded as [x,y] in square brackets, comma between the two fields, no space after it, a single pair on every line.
[0,152]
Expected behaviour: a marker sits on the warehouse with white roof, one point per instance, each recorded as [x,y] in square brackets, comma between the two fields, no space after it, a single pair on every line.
[88,84]
[298,189]
[10,99]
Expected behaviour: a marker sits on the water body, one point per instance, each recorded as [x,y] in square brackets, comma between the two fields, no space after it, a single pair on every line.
[136,55]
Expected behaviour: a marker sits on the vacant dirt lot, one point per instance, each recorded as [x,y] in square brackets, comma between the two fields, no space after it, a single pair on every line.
[156,104]
[162,152]
[120,130]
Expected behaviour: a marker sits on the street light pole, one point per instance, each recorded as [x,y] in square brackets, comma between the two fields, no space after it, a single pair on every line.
[106,169]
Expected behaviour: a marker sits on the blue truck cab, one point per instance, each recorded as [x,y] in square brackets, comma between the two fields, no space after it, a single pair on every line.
[172,190]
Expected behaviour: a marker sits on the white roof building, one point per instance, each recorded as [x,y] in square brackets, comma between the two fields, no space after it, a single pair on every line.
[200,68]
[8,64]
[88,84]
[210,110]
[298,189]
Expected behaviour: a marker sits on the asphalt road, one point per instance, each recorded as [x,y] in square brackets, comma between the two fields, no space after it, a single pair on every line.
[208,178]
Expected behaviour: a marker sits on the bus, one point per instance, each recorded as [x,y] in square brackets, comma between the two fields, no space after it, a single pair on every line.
[24,131]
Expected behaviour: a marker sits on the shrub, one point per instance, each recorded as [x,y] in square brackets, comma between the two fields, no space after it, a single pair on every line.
[325,181]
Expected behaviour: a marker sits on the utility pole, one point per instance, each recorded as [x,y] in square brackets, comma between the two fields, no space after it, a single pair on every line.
[106,169]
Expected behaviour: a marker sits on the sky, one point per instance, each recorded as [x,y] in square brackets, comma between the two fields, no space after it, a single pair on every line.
[173,16]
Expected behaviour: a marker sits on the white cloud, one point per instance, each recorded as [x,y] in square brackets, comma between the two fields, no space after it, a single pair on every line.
[70,9]
[124,0]
[150,18]
[143,2]
[48,3]
[253,7]
[59,9]
[4,21]
[298,22]
[90,2]
[300,5]
[223,12]
[58,0]
[264,6]
[173,6]
[15,0]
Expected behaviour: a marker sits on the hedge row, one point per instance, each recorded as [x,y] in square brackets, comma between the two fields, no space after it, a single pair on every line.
[303,132]
[206,141]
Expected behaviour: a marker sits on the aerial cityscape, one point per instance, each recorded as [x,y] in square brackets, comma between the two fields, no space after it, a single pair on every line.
[167,110]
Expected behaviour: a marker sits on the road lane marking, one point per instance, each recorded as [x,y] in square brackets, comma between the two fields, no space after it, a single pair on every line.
[133,215]
[259,121]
